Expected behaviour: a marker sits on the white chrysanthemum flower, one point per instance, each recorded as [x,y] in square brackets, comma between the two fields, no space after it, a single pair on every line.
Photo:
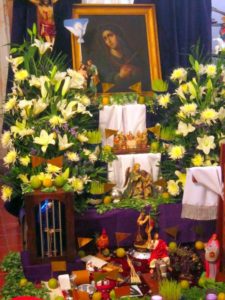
[24,160]
[184,129]
[179,74]
[176,152]
[197,160]
[206,143]
[10,104]
[164,100]
[6,193]
[173,188]
[72,156]
[211,70]
[208,116]
[6,139]
[189,109]
[10,157]
[42,46]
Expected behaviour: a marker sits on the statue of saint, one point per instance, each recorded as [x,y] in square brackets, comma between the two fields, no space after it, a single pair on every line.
[145,225]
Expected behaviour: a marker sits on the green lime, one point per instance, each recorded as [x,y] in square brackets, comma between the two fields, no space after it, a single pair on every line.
[35,182]
[120,252]
[81,253]
[23,282]
[53,283]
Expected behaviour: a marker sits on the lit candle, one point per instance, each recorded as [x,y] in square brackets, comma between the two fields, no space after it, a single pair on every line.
[156,297]
[211,297]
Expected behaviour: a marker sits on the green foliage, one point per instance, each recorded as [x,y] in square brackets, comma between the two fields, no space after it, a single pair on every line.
[158,85]
[12,288]
[120,98]
[193,293]
[170,290]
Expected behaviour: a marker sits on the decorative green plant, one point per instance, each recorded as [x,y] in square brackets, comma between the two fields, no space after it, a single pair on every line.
[15,282]
[94,137]
[170,290]
[97,188]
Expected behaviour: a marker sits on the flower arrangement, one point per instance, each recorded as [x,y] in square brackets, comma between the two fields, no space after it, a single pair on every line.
[48,115]
[194,123]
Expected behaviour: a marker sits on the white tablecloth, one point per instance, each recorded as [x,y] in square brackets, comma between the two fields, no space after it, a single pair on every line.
[117,169]
[124,118]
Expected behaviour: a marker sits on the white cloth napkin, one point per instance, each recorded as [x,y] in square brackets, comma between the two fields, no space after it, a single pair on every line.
[200,199]
[134,118]
[117,169]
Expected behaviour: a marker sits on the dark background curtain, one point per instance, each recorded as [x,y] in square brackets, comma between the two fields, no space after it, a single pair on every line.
[181,24]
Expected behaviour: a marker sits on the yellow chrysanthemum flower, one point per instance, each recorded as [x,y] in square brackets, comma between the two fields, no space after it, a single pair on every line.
[181,177]
[176,152]
[25,160]
[208,116]
[10,157]
[52,169]
[197,160]
[210,70]
[73,156]
[164,100]
[21,75]
[179,74]
[173,188]
[6,139]
[6,192]
[77,184]
[10,104]
[56,121]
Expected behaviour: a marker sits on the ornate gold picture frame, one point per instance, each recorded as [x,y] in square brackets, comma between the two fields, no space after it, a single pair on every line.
[122,42]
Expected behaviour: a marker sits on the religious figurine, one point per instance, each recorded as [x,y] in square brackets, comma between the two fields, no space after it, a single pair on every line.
[93,78]
[145,225]
[212,259]
[102,241]
[83,71]
[138,183]
[131,142]
[45,17]
[159,254]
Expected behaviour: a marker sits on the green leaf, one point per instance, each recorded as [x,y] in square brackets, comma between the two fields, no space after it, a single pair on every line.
[158,85]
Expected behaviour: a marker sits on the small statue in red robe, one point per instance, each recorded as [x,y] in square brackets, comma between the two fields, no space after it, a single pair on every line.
[212,258]
[159,253]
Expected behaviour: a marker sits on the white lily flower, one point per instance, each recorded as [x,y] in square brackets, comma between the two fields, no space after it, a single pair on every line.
[206,143]
[42,46]
[63,142]
[66,86]
[45,139]
[77,80]
[184,129]
[39,106]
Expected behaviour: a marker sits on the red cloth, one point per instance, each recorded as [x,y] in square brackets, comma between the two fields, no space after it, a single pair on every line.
[26,298]
[160,251]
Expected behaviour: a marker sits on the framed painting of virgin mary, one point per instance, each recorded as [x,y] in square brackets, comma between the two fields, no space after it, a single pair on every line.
[122,42]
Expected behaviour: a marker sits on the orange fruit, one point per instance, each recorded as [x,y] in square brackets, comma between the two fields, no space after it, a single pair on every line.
[107,199]
[23,282]
[105,100]
[97,296]
[47,182]
[221,296]
[199,245]
[172,246]
[165,195]
[184,284]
